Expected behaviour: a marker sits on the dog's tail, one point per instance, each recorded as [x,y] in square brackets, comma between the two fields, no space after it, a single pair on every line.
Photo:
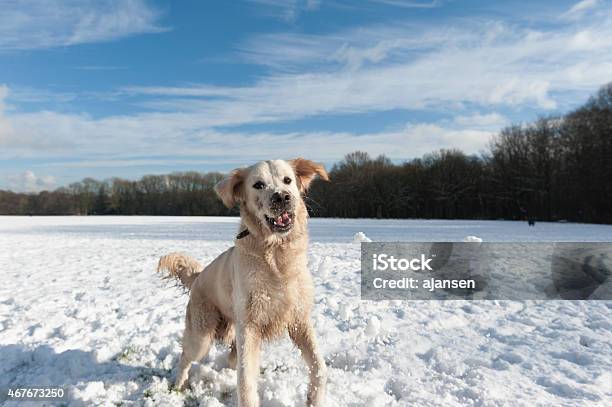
[180,267]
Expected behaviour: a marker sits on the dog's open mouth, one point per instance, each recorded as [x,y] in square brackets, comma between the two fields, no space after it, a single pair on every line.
[281,223]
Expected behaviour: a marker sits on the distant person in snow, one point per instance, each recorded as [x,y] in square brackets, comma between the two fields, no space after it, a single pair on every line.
[525,215]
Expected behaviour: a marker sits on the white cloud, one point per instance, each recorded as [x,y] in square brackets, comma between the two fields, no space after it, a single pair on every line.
[579,9]
[588,40]
[291,52]
[491,121]
[31,24]
[406,67]
[288,10]
[516,91]
[174,138]
[409,3]
[5,125]
[27,181]
[313,4]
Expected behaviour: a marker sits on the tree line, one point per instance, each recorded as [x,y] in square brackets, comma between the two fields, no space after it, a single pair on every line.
[556,168]
[179,194]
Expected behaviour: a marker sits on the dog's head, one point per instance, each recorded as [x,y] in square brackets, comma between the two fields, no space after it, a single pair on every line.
[271,192]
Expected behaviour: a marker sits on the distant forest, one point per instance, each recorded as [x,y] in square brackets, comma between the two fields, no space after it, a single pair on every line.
[556,168]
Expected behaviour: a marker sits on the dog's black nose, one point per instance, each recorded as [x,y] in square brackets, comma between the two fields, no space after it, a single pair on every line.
[278,197]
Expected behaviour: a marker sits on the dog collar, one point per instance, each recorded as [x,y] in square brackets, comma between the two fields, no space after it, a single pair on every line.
[242,234]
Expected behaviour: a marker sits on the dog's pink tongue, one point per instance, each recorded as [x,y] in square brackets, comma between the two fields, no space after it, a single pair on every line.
[283,219]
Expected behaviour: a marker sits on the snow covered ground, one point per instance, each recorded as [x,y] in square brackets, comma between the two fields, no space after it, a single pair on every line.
[81,307]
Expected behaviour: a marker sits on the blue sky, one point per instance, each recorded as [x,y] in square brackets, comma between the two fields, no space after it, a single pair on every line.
[124,88]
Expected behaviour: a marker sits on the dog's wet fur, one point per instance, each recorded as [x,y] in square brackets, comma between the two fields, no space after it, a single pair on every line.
[260,288]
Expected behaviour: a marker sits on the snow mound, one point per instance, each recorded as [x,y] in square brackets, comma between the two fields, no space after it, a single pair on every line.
[325,267]
[205,380]
[361,237]
[472,239]
[345,312]
[373,327]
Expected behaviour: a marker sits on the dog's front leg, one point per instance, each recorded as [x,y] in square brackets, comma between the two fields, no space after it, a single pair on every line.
[248,343]
[303,336]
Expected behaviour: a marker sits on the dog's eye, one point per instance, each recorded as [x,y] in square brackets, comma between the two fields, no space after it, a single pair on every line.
[259,185]
[287,180]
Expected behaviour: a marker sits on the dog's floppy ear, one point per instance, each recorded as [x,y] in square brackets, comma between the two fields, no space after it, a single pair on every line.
[230,189]
[306,171]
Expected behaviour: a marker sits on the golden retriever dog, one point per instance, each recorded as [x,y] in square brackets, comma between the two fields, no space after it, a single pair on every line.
[261,287]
